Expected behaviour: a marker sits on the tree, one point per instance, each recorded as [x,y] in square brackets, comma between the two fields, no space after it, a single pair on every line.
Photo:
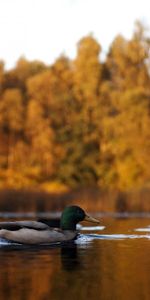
[17,77]
[126,148]
[127,60]
[40,136]
[11,120]
[83,139]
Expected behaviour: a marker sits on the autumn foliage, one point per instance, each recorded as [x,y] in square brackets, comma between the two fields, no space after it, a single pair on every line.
[81,122]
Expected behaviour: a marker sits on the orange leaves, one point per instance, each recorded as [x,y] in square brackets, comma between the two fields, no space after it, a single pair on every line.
[11,110]
[81,121]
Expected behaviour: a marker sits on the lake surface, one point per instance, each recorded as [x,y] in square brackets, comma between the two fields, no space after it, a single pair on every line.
[111,263]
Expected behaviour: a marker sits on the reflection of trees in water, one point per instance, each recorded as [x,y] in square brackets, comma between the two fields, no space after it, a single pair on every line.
[104,269]
[25,274]
[31,272]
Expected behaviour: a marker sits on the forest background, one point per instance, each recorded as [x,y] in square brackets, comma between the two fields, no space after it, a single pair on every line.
[78,123]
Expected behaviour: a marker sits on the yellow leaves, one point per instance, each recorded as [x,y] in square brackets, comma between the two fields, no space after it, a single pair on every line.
[87,68]
[80,122]
[63,70]
[41,138]
[116,59]
[25,69]
[127,61]
[126,137]
[16,179]
[129,173]
[11,109]
[34,116]
[54,187]
[88,45]
[38,86]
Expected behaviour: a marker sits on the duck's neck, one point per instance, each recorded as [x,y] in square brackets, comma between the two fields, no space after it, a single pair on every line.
[67,224]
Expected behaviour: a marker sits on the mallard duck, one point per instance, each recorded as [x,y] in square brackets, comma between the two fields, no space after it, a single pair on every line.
[36,232]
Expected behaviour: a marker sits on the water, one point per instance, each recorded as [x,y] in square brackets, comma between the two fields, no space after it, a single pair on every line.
[107,263]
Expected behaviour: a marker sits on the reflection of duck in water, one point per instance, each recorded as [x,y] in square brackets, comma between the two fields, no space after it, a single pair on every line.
[37,232]
[69,257]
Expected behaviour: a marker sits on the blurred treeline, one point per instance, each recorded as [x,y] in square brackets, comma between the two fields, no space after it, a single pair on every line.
[81,122]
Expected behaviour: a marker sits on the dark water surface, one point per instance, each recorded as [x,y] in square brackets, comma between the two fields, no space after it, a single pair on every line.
[113,263]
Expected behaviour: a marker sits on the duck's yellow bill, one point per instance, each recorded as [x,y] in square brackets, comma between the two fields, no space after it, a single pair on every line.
[90,219]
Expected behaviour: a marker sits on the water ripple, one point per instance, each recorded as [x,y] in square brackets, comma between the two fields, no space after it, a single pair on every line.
[86,238]
[146,229]
[92,228]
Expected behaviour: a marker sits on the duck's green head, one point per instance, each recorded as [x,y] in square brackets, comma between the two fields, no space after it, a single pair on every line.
[73,215]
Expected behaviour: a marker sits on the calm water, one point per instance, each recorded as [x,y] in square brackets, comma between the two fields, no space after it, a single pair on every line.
[110,263]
